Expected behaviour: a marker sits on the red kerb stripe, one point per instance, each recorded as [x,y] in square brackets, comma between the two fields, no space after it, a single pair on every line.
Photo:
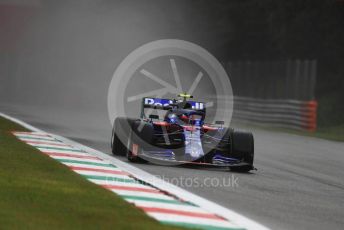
[46,143]
[129,188]
[33,134]
[181,213]
[72,155]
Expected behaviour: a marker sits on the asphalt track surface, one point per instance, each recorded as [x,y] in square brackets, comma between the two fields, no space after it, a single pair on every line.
[299,183]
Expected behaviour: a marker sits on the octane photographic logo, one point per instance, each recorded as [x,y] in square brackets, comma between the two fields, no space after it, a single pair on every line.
[163,69]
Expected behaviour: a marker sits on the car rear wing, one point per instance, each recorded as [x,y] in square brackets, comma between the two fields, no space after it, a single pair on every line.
[166,104]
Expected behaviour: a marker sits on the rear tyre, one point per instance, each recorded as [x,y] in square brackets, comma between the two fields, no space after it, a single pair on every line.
[243,148]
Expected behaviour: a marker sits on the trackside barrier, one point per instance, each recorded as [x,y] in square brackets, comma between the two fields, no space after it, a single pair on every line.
[283,113]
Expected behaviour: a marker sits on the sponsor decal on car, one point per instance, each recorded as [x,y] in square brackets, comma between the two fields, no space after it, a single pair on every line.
[161,102]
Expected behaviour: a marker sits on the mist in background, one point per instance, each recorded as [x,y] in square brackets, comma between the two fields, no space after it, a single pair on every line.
[64,54]
[60,55]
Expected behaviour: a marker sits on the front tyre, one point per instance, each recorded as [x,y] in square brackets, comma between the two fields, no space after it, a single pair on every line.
[243,148]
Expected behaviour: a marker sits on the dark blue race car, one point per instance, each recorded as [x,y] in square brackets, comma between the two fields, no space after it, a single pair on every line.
[180,136]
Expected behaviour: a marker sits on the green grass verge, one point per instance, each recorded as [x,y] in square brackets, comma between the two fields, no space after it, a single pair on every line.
[37,192]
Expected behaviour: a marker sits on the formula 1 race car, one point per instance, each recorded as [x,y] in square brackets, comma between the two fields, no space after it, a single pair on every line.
[181,137]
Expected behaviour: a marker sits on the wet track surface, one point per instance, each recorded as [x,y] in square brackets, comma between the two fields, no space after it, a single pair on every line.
[299,183]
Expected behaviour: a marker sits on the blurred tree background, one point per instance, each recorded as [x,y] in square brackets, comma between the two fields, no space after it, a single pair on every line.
[281,30]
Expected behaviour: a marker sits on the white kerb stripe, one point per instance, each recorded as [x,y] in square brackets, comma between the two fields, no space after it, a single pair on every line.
[61,151]
[92,173]
[143,194]
[192,220]
[89,166]
[117,182]
[49,145]
[177,207]
[79,159]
